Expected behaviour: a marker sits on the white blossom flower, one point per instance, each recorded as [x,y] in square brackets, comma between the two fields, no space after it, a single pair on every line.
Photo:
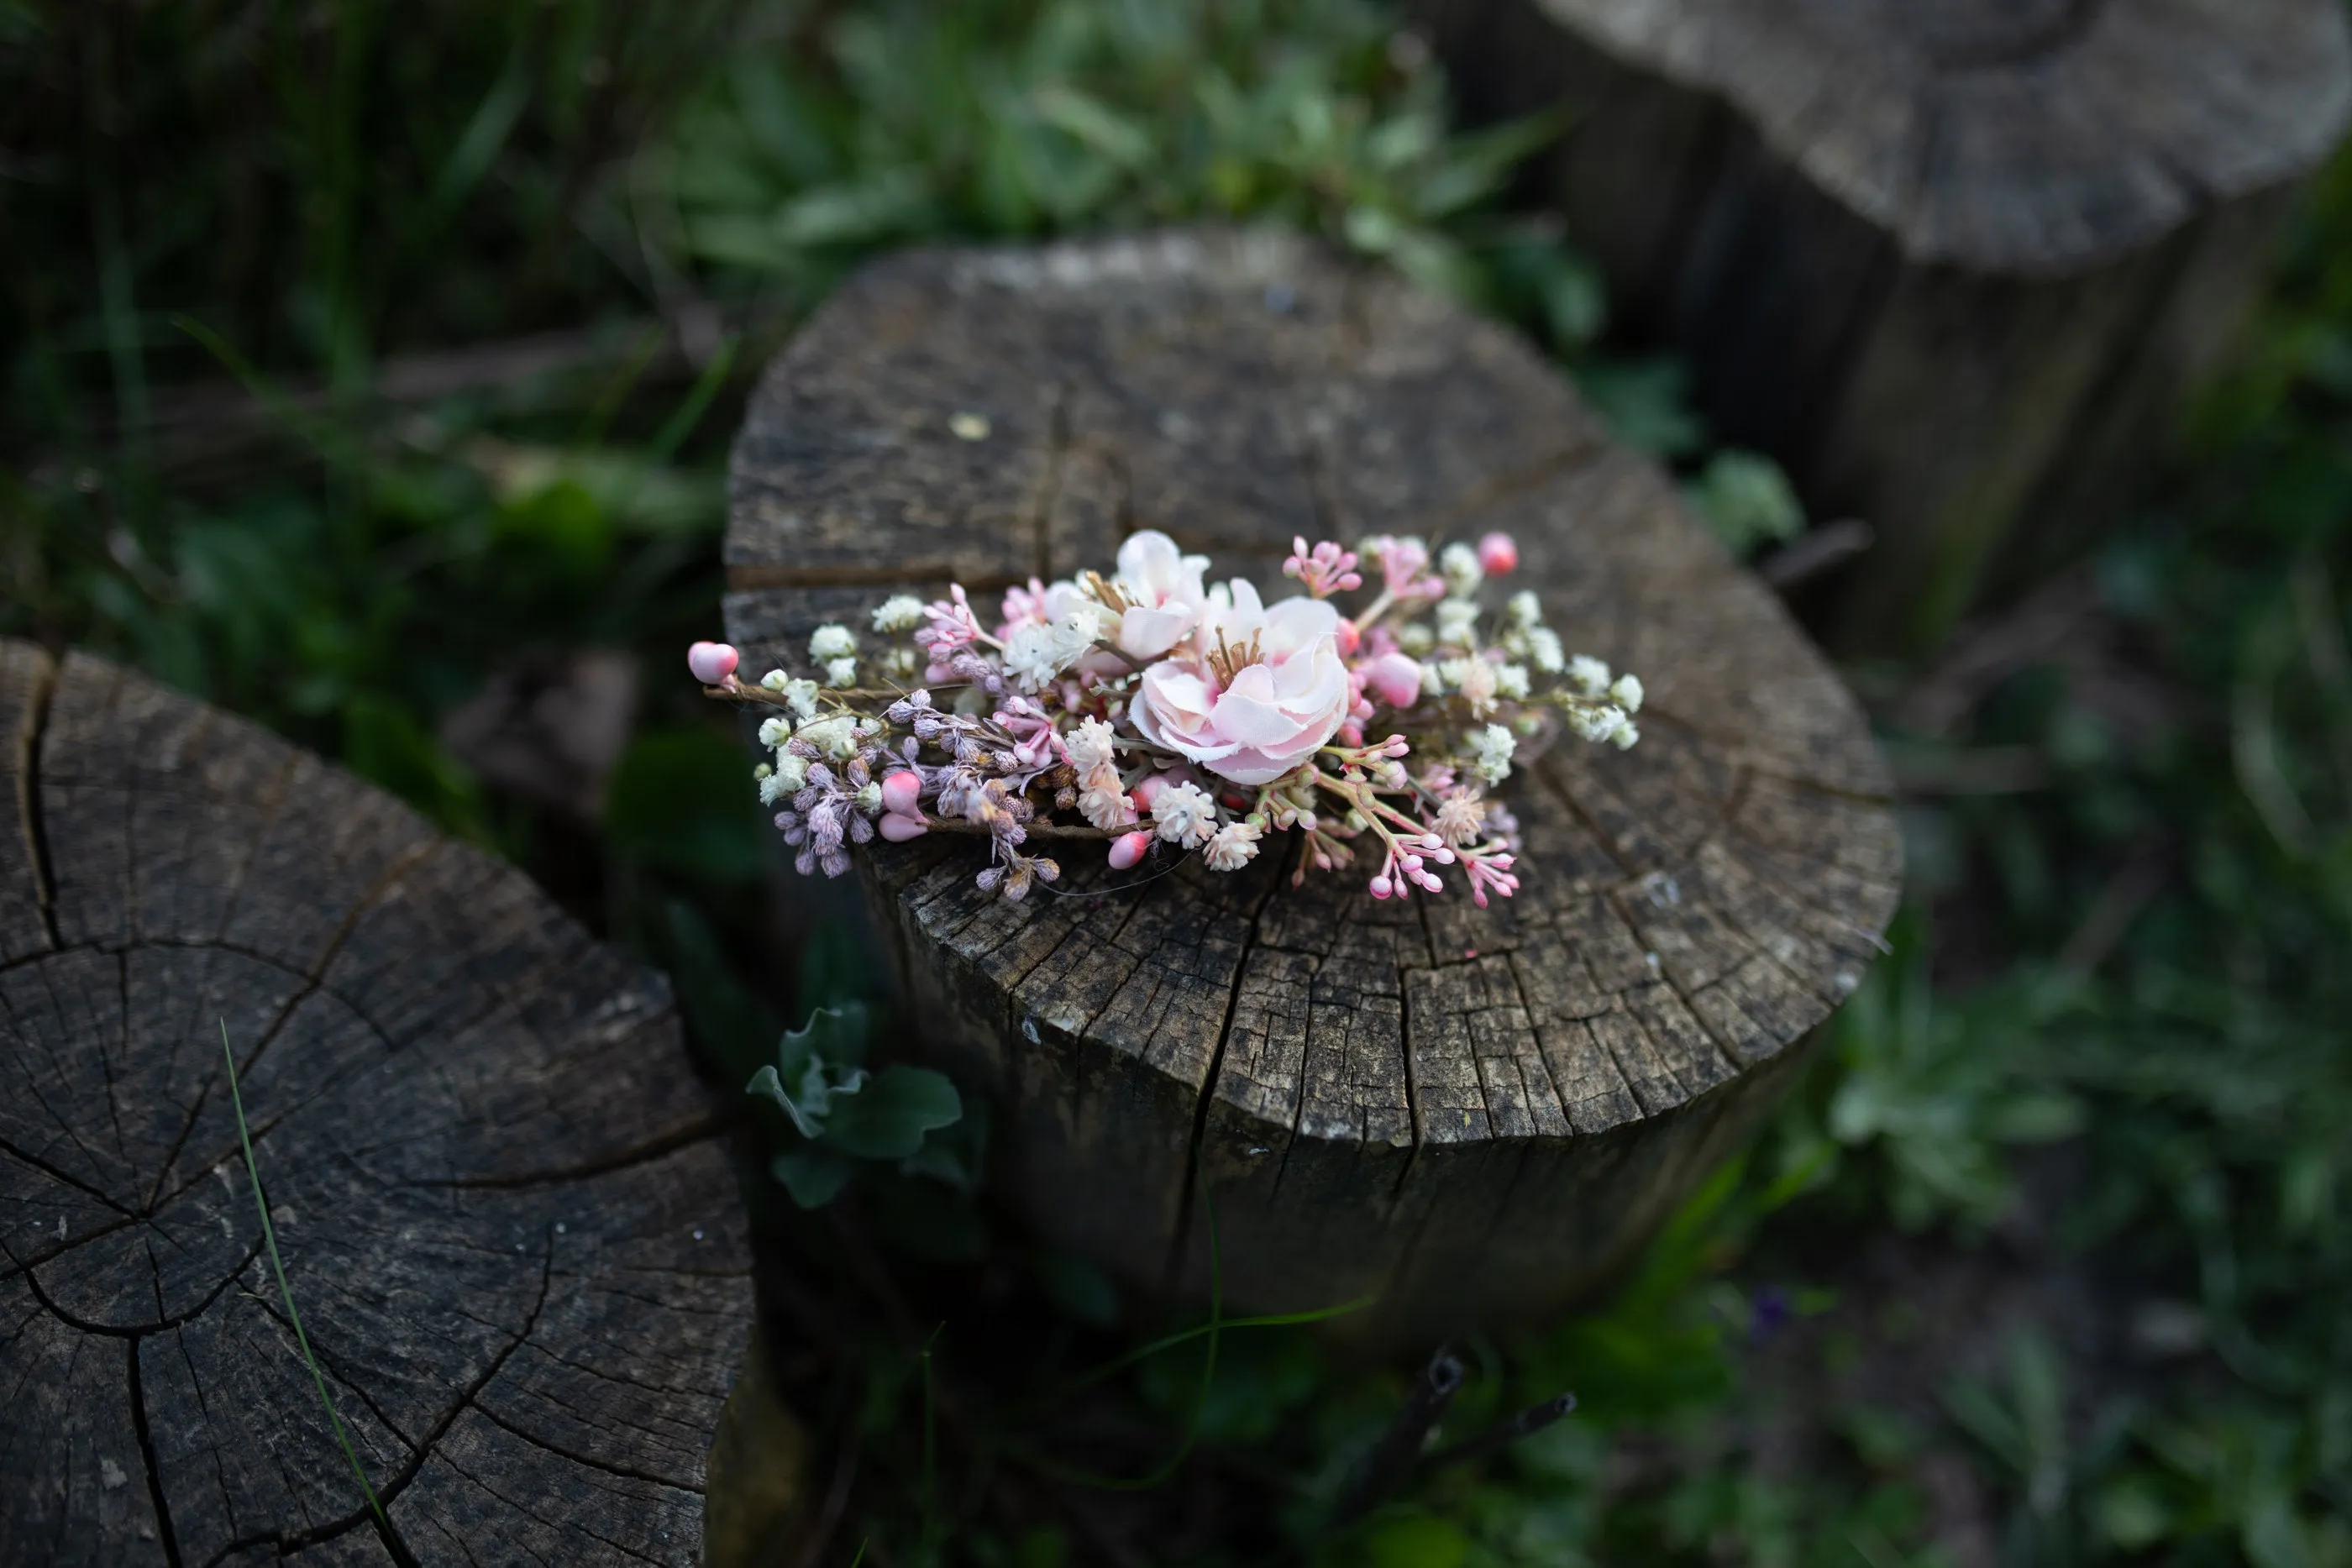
[1590,675]
[841,673]
[1625,736]
[902,662]
[1490,752]
[1034,656]
[800,695]
[832,641]
[1184,814]
[1627,693]
[1415,638]
[1476,680]
[1078,631]
[1596,723]
[835,736]
[1101,799]
[1457,622]
[1235,846]
[1526,609]
[790,776]
[775,731]
[1459,563]
[773,789]
[1544,650]
[900,612]
[1511,680]
[1091,745]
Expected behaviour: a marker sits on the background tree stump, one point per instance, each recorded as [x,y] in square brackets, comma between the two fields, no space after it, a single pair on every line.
[1478,1113]
[1956,262]
[516,1246]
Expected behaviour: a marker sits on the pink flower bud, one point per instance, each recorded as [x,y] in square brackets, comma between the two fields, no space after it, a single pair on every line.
[1394,678]
[1349,638]
[712,663]
[901,791]
[1144,793]
[1379,887]
[1499,554]
[1127,849]
[898,829]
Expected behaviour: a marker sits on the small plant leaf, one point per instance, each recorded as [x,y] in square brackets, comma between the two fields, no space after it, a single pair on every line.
[887,1120]
[814,1175]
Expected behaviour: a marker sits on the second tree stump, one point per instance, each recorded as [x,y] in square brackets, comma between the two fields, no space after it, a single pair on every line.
[1956,262]
[1476,1116]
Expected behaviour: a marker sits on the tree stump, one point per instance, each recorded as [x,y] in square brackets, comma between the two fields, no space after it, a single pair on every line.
[1474,1115]
[1956,262]
[515,1246]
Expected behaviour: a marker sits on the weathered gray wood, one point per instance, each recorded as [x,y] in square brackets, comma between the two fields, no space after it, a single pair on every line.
[516,1246]
[1956,262]
[1475,1114]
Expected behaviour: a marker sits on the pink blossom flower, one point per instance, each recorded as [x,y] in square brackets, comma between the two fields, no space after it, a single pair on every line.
[901,791]
[1394,678]
[1489,872]
[1327,569]
[900,826]
[1255,722]
[1148,790]
[1129,848]
[1404,567]
[1163,591]
[712,663]
[1499,554]
[1024,607]
[953,627]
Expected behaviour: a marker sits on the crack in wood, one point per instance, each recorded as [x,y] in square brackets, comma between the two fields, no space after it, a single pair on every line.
[139,1426]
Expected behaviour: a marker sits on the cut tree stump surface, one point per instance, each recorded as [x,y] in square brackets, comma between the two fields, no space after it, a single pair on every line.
[515,1244]
[1476,1113]
[1957,263]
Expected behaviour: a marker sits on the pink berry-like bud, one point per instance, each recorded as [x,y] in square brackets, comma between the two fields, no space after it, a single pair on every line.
[1394,678]
[898,829]
[1379,888]
[712,663]
[1127,849]
[1499,554]
[901,791]
[1143,794]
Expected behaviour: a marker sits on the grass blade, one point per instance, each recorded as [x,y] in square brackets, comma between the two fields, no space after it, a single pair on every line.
[285,1291]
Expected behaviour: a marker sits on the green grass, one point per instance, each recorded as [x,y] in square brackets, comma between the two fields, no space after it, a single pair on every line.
[286,1290]
[2045,1258]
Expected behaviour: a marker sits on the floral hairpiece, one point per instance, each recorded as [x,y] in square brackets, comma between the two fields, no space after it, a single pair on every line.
[1157,710]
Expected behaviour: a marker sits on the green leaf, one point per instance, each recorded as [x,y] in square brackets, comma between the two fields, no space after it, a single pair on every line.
[888,1119]
[1093,123]
[833,1036]
[1747,500]
[813,1176]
